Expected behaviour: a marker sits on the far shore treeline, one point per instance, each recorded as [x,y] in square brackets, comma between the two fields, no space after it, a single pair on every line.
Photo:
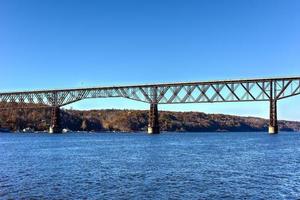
[135,121]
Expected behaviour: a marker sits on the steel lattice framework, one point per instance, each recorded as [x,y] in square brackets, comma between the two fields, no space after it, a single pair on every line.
[267,89]
[189,92]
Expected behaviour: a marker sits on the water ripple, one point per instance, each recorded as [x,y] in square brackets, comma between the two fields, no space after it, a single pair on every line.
[136,166]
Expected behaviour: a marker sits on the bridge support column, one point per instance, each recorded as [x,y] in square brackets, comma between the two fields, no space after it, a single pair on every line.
[55,126]
[273,125]
[153,127]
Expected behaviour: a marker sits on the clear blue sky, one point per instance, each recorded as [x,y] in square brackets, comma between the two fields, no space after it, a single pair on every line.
[71,43]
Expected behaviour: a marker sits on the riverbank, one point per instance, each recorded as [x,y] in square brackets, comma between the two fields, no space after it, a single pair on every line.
[137,121]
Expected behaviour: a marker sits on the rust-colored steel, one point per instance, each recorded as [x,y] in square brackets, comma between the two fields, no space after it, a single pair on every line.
[273,124]
[153,127]
[55,120]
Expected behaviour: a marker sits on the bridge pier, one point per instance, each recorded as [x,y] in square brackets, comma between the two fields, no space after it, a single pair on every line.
[153,127]
[273,125]
[55,126]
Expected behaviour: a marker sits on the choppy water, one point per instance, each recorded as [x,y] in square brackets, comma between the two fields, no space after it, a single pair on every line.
[139,166]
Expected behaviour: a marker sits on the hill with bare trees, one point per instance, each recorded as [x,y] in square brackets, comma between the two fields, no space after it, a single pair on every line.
[136,120]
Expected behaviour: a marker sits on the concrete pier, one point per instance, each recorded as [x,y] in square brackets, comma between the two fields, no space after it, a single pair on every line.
[273,129]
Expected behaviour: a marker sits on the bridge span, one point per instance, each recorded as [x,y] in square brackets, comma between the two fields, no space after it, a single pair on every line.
[245,90]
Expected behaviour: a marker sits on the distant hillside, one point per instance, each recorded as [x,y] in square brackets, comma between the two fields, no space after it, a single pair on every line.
[133,121]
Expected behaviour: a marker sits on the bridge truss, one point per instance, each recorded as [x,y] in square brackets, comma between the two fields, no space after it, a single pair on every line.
[268,89]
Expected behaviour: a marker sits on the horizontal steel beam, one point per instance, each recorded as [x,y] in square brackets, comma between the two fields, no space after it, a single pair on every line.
[242,90]
[158,85]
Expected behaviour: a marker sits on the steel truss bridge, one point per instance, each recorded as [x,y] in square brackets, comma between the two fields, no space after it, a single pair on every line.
[266,89]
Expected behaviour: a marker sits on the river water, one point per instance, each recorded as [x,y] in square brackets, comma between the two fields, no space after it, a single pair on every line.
[141,166]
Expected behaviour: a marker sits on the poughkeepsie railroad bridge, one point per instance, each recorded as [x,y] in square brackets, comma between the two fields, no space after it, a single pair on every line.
[246,90]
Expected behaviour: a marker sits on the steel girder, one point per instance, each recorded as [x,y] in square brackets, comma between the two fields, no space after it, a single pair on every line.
[169,93]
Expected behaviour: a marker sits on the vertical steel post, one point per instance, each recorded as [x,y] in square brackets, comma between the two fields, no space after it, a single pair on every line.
[273,125]
[153,126]
[55,126]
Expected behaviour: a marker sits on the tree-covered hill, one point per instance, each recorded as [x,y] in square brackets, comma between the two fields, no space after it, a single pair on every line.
[136,120]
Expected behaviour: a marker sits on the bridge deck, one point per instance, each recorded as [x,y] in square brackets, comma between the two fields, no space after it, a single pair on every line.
[242,90]
[159,85]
